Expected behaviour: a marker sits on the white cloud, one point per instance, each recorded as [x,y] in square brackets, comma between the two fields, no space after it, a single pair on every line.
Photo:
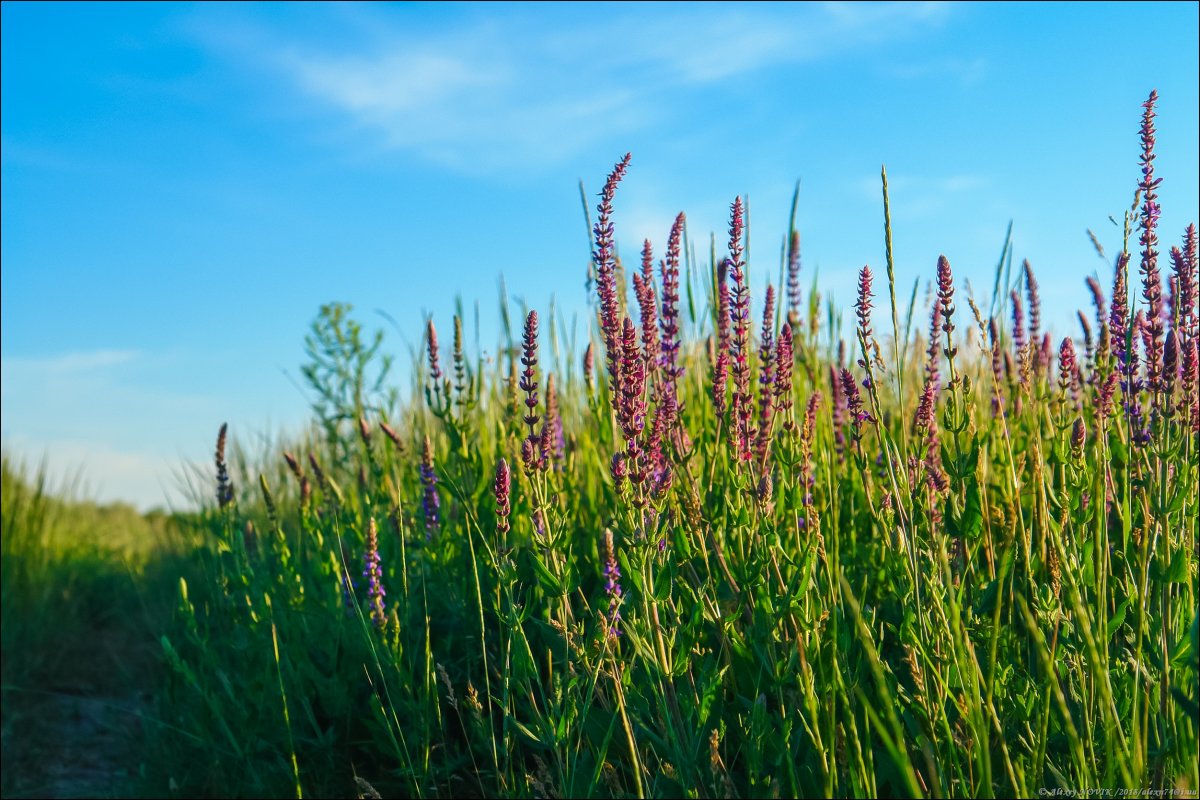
[72,362]
[539,86]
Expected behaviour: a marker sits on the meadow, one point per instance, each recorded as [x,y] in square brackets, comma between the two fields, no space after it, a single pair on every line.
[932,551]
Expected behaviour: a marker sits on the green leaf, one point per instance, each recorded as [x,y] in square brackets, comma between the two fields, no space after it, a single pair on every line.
[550,584]
[1176,571]
[1118,618]
[972,516]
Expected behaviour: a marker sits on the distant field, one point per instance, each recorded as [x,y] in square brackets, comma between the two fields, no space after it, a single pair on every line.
[934,551]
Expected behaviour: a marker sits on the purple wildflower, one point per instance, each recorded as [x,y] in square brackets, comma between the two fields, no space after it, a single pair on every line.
[1151,279]
[612,587]
[1018,321]
[617,469]
[946,299]
[766,376]
[925,417]
[1191,383]
[783,376]
[841,410]
[862,307]
[431,503]
[808,432]
[1078,437]
[722,326]
[1189,286]
[669,322]
[224,484]
[631,408]
[435,369]
[854,402]
[643,287]
[1118,321]
[1035,302]
[503,492]
[373,572]
[529,383]
[1170,370]
[933,352]
[793,279]
[1068,373]
[603,257]
[719,380]
[739,353]
[997,367]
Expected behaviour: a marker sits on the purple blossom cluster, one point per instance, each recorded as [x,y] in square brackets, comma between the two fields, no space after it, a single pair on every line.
[793,279]
[529,383]
[503,492]
[766,377]
[643,289]
[373,573]
[669,322]
[612,587]
[604,259]
[784,360]
[224,484]
[430,502]
[739,346]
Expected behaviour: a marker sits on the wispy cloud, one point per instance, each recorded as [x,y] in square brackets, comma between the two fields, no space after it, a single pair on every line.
[539,86]
[83,361]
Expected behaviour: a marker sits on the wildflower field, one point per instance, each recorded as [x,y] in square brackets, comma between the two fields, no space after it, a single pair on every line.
[935,550]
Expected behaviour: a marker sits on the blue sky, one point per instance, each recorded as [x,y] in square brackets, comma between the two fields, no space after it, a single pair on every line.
[182,186]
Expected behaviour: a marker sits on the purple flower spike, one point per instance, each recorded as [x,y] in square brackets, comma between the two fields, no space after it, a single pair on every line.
[766,377]
[783,375]
[854,401]
[933,353]
[430,503]
[793,280]
[1035,302]
[739,354]
[669,270]
[643,287]
[604,258]
[529,383]
[1151,279]
[612,587]
[373,572]
[862,308]
[1018,321]
[224,484]
[503,491]
[435,369]
[946,299]
[1118,321]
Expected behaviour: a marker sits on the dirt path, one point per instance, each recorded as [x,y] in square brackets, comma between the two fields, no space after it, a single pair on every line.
[62,745]
[80,733]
